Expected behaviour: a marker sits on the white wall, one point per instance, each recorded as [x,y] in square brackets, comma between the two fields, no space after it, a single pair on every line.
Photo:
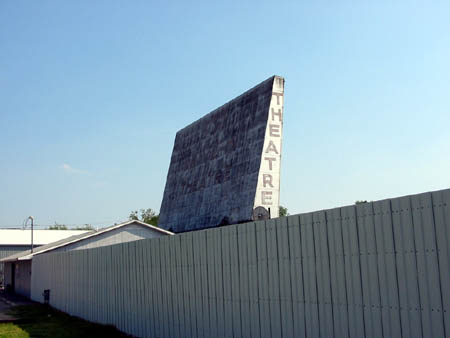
[22,277]
[127,233]
[8,250]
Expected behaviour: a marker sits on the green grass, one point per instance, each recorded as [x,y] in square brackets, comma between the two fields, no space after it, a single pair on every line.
[40,321]
[12,330]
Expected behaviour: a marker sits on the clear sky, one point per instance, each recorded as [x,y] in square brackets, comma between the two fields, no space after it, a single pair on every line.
[93,92]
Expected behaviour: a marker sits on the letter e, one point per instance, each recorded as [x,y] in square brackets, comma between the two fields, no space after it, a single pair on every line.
[266,197]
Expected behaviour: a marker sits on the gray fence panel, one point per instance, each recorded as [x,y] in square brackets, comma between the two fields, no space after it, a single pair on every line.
[134,284]
[85,308]
[337,273]
[179,282]
[121,283]
[99,286]
[407,268]
[91,287]
[204,279]
[123,286]
[75,284]
[109,280]
[141,316]
[162,290]
[150,283]
[116,251]
[130,287]
[94,290]
[204,292]
[157,291]
[170,322]
[196,301]
[103,284]
[76,265]
[58,280]
[61,279]
[132,301]
[388,280]
[263,281]
[211,251]
[197,254]
[297,281]
[185,286]
[102,310]
[253,280]
[194,308]
[427,263]
[141,293]
[243,280]
[235,278]
[285,277]
[78,261]
[94,283]
[65,260]
[172,288]
[167,288]
[274,281]
[375,270]
[117,259]
[226,280]
[79,271]
[323,274]
[309,272]
[117,255]
[74,281]
[81,291]
[369,270]
[353,272]
[70,281]
[441,209]
[177,287]
[219,282]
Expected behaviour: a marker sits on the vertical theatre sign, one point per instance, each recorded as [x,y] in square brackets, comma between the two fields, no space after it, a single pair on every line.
[225,167]
[268,188]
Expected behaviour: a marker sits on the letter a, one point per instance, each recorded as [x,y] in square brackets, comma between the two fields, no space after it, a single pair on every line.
[271,147]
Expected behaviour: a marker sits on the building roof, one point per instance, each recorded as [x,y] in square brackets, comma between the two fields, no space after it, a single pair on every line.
[27,255]
[40,237]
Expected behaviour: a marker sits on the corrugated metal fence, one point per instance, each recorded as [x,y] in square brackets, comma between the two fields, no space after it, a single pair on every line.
[374,270]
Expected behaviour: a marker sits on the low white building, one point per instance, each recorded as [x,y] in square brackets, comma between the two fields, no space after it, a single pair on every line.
[13,241]
[18,267]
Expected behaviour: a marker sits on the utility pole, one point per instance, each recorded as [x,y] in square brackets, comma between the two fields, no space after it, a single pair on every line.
[32,228]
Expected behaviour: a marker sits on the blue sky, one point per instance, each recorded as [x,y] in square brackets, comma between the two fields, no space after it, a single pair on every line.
[93,92]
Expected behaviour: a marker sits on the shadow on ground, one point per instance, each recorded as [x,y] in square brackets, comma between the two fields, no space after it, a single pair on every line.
[37,320]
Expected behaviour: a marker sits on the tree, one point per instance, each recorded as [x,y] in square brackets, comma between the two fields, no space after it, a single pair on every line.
[57,227]
[283,211]
[145,215]
[85,227]
[360,202]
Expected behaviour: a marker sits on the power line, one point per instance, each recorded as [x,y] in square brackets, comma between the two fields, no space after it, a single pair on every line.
[21,226]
